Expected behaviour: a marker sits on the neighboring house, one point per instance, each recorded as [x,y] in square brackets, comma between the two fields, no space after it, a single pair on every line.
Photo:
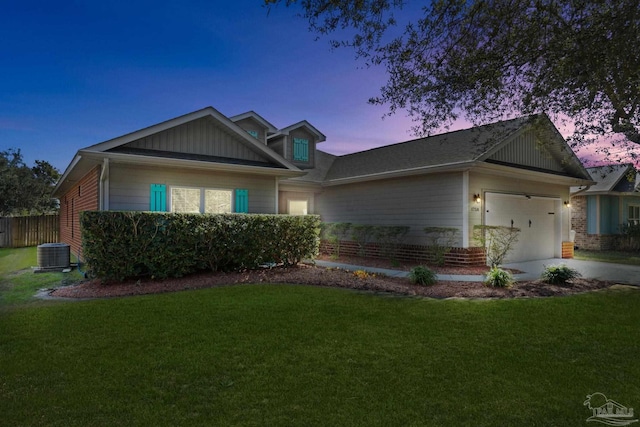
[514,173]
[599,211]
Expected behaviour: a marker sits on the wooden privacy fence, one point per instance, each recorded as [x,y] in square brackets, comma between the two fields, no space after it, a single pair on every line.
[22,231]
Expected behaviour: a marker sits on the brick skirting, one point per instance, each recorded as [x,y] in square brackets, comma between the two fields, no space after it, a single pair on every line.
[420,253]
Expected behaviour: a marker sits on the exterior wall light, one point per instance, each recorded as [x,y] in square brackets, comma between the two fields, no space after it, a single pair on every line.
[476,198]
[567,204]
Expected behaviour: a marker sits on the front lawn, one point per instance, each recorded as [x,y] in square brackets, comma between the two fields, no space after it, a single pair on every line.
[298,355]
[18,282]
[618,257]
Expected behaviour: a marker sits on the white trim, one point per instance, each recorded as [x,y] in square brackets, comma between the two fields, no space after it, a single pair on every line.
[202,191]
[194,164]
[465,209]
[277,204]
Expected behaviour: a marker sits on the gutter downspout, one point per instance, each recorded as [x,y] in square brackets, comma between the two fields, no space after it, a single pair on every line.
[104,186]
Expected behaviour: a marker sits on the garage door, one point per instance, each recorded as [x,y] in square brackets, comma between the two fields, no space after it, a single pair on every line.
[534,216]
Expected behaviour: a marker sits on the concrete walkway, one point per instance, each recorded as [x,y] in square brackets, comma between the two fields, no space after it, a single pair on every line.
[531,270]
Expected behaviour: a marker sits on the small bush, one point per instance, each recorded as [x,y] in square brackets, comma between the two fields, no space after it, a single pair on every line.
[499,278]
[558,274]
[361,274]
[422,276]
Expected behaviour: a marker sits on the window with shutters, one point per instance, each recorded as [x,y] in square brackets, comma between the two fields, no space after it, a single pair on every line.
[202,200]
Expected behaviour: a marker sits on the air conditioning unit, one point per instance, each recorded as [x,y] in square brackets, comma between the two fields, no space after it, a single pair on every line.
[53,255]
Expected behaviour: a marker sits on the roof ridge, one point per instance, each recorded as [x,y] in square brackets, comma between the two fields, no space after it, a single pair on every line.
[473,128]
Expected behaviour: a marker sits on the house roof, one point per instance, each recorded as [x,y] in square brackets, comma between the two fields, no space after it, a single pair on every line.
[270,128]
[456,150]
[610,179]
[87,158]
[285,131]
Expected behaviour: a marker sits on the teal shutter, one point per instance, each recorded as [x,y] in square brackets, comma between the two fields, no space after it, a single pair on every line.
[158,198]
[301,149]
[242,200]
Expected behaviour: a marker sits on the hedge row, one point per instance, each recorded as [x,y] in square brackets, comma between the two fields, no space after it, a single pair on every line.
[119,245]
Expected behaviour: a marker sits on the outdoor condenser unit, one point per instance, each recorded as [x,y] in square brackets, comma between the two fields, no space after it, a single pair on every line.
[53,255]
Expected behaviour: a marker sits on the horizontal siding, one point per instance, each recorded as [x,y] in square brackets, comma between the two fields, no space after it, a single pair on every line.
[129,186]
[417,202]
[527,151]
[202,136]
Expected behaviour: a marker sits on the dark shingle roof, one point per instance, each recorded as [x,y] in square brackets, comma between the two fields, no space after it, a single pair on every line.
[445,149]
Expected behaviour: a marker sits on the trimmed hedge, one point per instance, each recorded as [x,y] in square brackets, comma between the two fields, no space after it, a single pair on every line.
[119,245]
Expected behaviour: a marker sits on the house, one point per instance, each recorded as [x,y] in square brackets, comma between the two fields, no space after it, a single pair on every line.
[515,173]
[598,212]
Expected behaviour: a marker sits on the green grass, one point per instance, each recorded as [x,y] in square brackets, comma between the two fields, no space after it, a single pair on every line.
[16,259]
[18,282]
[618,257]
[258,355]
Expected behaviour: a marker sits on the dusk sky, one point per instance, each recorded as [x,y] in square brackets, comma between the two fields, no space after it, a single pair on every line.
[76,73]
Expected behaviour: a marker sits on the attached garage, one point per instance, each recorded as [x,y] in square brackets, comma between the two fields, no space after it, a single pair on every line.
[538,218]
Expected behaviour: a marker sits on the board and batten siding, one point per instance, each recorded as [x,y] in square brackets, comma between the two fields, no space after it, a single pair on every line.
[417,202]
[480,183]
[202,137]
[129,186]
[526,150]
[251,124]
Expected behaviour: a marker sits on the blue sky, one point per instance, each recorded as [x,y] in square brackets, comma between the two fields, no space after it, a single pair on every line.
[75,73]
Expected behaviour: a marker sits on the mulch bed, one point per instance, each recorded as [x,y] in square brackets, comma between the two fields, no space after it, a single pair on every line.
[318,276]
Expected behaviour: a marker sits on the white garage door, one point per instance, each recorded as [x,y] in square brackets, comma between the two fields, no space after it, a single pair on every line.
[534,216]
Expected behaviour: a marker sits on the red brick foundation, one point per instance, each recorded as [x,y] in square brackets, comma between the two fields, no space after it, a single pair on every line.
[420,253]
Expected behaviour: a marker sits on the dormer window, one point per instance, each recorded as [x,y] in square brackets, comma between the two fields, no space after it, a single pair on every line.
[253,133]
[301,149]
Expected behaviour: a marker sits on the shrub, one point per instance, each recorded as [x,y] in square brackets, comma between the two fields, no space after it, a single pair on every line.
[334,232]
[440,241]
[363,234]
[119,245]
[389,238]
[422,276]
[559,274]
[499,278]
[498,241]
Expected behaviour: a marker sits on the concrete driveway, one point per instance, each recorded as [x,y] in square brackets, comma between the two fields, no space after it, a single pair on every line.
[620,273]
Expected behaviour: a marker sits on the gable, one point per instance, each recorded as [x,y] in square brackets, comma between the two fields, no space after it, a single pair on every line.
[200,137]
[526,150]
[254,128]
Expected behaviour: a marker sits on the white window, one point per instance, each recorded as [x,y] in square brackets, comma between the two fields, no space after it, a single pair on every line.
[634,214]
[186,200]
[200,200]
[298,207]
[217,201]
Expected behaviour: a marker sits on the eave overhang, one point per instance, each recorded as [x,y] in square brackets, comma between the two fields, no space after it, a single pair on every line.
[85,160]
[478,166]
